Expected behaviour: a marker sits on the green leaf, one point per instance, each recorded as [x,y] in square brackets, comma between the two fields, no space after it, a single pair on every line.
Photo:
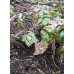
[55,14]
[51,40]
[29,38]
[61,49]
[44,35]
[41,14]
[45,21]
[43,43]
[55,9]
[46,16]
[11,14]
[36,8]
[49,30]
[47,7]
[48,34]
[39,20]
[62,34]
[61,21]
[45,11]
[18,0]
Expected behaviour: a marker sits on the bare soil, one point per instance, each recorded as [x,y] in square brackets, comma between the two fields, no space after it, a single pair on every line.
[22,60]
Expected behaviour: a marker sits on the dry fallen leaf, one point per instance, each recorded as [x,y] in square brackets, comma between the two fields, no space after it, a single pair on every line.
[39,49]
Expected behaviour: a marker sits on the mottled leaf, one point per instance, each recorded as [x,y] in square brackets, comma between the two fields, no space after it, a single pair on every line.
[45,21]
[29,39]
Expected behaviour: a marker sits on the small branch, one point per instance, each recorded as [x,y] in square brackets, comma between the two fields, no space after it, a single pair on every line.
[12,30]
[55,63]
[53,47]
[16,43]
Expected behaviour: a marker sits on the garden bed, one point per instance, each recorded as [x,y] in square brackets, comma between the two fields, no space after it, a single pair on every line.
[22,60]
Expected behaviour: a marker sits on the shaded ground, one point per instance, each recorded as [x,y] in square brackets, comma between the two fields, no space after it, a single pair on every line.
[22,60]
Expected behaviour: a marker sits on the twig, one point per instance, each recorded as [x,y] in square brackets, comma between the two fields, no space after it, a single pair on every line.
[53,47]
[16,43]
[55,63]
[12,30]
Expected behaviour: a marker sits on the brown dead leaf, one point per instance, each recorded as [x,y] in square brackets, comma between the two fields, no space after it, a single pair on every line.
[39,49]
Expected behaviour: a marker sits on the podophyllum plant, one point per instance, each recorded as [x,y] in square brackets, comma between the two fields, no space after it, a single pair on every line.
[42,15]
[49,33]
[60,38]
[38,1]
[13,1]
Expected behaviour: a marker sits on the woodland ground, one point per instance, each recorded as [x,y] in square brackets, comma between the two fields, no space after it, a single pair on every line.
[22,60]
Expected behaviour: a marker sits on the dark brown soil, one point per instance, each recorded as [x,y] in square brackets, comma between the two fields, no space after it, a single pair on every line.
[22,60]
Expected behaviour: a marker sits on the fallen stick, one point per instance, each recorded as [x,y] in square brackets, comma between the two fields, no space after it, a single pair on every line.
[13,41]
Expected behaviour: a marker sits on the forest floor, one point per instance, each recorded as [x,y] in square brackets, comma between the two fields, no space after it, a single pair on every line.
[22,60]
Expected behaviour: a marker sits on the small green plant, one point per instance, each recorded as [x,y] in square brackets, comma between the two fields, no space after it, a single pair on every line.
[47,34]
[29,38]
[60,34]
[60,38]
[38,1]
[40,15]
[13,1]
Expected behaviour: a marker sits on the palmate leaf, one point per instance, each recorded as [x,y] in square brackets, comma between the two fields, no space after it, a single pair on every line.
[60,34]
[46,16]
[39,20]
[44,35]
[18,0]
[45,21]
[40,7]
[13,1]
[55,14]
[49,30]
[60,50]
[45,11]
[41,14]
[42,11]
[11,11]
[11,14]
[29,38]
[47,34]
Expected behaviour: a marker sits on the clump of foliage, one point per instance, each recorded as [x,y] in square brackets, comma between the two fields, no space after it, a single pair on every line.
[42,15]
[38,1]
[60,38]
[29,38]
[13,1]
[11,11]
[47,34]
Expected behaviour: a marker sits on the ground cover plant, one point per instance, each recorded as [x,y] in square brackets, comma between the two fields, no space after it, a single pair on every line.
[36,35]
